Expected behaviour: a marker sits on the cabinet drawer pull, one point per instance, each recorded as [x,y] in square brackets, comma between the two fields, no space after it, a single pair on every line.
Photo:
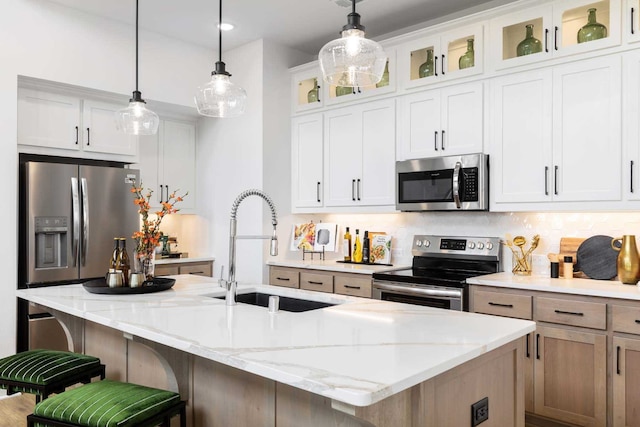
[435,140]
[77,135]
[442,140]
[435,69]
[88,136]
[353,190]
[442,64]
[196,272]
[358,189]
[631,175]
[638,321]
[618,360]
[572,313]
[318,191]
[555,39]
[286,279]
[311,282]
[538,346]
[555,180]
[546,180]
[546,40]
[496,304]
[351,287]
[632,13]
[527,352]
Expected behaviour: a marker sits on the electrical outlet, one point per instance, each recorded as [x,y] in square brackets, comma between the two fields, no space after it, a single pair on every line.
[480,412]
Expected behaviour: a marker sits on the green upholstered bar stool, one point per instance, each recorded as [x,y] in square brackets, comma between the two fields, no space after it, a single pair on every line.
[109,404]
[43,372]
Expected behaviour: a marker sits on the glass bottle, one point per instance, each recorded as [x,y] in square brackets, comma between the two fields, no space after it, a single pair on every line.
[467,60]
[385,77]
[365,248]
[312,95]
[347,245]
[426,69]
[123,264]
[344,90]
[357,248]
[592,30]
[114,254]
[530,44]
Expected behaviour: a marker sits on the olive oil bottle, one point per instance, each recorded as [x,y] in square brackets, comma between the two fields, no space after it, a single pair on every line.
[346,244]
[357,248]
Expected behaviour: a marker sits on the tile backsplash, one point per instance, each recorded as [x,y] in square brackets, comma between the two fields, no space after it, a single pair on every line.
[551,226]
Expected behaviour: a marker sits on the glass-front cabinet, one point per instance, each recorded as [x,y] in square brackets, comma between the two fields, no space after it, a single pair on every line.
[307,88]
[338,94]
[454,54]
[556,29]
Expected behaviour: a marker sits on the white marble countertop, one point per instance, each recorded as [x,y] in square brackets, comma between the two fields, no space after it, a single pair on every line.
[338,267]
[161,261]
[588,287]
[357,352]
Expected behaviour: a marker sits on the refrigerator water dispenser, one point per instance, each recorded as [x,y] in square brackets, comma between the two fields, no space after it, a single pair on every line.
[51,241]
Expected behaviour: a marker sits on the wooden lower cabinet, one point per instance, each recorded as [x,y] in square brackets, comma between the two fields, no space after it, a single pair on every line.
[571,376]
[626,382]
[198,268]
[352,284]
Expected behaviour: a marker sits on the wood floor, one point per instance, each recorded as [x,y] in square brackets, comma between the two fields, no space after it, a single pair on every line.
[14,410]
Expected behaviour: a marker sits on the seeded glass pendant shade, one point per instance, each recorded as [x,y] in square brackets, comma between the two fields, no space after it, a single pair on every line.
[352,60]
[219,97]
[137,119]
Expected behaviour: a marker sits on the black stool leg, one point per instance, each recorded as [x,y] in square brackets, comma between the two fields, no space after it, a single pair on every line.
[183,416]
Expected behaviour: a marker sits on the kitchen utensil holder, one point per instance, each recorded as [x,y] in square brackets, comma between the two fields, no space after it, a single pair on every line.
[304,252]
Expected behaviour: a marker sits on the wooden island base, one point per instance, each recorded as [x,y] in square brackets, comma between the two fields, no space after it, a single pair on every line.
[220,395]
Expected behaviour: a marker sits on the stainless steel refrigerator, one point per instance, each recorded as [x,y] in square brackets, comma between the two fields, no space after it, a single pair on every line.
[70,212]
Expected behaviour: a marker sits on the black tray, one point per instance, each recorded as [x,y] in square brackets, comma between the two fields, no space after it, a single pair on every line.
[99,286]
[364,263]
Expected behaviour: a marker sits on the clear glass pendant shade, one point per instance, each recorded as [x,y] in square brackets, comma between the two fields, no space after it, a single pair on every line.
[220,98]
[137,119]
[352,60]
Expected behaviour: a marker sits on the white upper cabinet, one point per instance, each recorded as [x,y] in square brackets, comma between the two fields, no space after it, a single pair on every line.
[55,124]
[441,56]
[360,155]
[306,161]
[555,27]
[556,136]
[631,126]
[442,122]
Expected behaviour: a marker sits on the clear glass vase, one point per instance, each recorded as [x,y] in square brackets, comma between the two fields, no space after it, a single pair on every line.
[426,69]
[592,30]
[145,263]
[468,59]
[530,44]
[521,265]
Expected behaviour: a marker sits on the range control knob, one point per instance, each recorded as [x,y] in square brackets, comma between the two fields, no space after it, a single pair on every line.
[472,245]
[480,245]
[489,245]
[418,243]
[426,243]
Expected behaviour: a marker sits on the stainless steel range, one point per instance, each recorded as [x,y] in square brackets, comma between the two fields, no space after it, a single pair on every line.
[440,267]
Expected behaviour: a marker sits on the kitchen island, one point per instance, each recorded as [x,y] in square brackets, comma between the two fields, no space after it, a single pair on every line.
[360,362]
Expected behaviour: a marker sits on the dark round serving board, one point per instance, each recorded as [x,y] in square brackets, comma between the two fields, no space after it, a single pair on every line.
[99,286]
[597,259]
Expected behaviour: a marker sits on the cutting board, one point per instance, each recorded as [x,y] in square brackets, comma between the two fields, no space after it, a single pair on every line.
[569,247]
[597,259]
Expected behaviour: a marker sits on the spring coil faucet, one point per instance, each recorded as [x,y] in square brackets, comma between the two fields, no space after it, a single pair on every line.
[230,285]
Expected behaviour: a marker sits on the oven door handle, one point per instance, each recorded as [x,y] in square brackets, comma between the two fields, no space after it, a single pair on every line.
[456,184]
[429,292]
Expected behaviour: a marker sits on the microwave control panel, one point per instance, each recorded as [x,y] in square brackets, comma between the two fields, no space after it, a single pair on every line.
[470,184]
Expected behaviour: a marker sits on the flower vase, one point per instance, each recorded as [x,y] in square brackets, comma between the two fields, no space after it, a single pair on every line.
[145,263]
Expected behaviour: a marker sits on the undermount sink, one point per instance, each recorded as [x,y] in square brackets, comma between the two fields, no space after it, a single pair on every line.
[294,305]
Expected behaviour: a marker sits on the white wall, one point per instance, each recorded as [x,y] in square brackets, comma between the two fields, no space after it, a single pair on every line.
[51,42]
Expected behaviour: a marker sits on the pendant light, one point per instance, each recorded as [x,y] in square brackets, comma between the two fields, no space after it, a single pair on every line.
[352,60]
[220,97]
[137,119]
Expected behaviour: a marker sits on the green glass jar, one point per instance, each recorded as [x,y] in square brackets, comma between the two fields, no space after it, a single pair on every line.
[344,90]
[467,60]
[530,44]
[426,69]
[312,95]
[385,77]
[592,30]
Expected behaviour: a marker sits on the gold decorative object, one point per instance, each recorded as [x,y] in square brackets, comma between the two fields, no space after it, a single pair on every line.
[628,260]
[521,258]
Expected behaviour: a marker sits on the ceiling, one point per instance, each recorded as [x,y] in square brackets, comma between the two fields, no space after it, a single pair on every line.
[302,24]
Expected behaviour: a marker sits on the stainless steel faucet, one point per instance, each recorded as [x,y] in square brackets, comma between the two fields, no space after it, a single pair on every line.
[230,285]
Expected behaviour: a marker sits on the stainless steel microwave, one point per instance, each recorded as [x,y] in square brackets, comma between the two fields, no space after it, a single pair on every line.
[452,183]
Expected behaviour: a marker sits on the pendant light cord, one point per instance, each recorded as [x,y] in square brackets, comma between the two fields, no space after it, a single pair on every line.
[220,34]
[353,6]
[137,46]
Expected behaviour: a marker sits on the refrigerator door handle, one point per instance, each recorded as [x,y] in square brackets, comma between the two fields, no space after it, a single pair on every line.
[85,220]
[76,219]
